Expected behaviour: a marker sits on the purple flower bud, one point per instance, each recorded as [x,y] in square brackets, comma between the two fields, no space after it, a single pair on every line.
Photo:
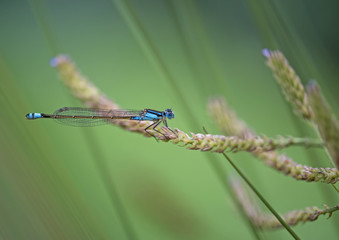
[266,52]
[54,62]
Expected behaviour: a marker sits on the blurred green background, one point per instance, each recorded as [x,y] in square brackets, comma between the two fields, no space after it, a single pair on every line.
[59,182]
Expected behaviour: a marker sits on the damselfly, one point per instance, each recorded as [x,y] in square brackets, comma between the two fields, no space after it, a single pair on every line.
[85,117]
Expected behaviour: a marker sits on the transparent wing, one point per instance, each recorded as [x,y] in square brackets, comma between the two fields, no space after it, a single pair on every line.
[87,117]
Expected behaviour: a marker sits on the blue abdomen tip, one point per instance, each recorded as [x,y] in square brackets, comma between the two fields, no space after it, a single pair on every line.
[34,115]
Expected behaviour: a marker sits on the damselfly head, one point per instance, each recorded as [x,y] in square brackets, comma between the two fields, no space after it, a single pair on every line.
[169,113]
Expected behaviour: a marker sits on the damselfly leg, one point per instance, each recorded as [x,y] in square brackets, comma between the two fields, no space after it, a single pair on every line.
[154,124]
[165,122]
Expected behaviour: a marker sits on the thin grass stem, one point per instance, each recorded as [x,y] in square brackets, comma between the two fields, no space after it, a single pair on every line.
[286,226]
